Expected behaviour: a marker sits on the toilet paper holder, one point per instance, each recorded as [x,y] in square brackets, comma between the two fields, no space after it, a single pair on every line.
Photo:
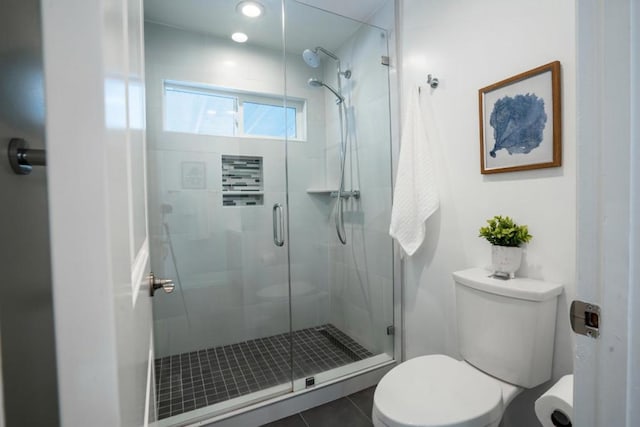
[560,419]
[555,407]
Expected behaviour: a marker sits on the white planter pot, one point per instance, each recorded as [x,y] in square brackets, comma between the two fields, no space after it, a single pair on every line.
[506,260]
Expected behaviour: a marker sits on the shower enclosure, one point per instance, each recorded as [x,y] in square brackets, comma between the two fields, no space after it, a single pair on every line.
[269,201]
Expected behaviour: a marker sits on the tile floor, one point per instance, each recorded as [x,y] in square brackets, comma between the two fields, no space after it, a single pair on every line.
[193,380]
[351,411]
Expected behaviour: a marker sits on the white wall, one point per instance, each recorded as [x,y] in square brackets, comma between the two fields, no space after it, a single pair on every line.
[469,45]
[26,311]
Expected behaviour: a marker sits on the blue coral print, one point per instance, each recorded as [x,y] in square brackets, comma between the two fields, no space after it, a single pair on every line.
[518,123]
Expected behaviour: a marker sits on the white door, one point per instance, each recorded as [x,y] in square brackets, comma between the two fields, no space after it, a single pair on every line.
[95,137]
[607,378]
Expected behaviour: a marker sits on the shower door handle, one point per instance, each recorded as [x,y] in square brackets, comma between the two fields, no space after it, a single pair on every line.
[156,283]
[278,225]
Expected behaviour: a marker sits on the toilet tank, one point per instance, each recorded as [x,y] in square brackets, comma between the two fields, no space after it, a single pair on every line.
[506,328]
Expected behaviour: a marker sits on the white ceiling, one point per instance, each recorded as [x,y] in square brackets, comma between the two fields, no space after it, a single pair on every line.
[306,26]
[360,10]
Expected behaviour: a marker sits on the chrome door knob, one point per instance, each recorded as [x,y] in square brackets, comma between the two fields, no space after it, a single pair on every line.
[167,285]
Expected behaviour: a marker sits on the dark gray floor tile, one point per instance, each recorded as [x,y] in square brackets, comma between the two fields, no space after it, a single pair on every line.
[364,400]
[228,371]
[292,421]
[340,412]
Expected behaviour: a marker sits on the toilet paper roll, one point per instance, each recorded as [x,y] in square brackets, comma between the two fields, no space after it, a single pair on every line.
[555,407]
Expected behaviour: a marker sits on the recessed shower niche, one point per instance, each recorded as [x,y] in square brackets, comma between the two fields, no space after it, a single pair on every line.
[267,294]
[242,181]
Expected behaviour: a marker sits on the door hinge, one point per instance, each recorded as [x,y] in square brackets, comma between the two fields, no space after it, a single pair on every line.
[391,330]
[384,60]
[585,318]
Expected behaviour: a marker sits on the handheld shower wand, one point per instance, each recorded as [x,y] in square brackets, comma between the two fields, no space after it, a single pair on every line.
[312,58]
[319,83]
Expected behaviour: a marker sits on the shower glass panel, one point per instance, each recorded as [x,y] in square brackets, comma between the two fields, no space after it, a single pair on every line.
[341,255]
[217,127]
[269,193]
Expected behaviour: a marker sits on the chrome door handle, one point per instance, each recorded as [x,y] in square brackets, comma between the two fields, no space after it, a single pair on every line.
[278,225]
[22,159]
[167,285]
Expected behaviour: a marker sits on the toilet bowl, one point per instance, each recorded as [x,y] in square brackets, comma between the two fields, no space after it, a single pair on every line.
[506,331]
[438,391]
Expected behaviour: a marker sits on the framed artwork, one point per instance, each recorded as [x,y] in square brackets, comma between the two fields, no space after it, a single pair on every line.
[520,123]
[194,175]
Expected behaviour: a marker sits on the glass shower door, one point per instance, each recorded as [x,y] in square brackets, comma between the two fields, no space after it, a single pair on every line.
[216,129]
[269,204]
[341,253]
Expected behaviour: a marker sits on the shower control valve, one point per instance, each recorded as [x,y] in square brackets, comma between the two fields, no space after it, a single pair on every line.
[167,285]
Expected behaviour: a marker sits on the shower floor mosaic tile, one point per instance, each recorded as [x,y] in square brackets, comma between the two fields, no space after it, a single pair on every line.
[200,378]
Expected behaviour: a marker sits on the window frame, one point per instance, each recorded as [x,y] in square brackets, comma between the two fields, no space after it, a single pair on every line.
[241,96]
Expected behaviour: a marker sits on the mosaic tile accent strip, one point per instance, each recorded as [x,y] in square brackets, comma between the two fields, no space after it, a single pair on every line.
[240,174]
[193,380]
[242,199]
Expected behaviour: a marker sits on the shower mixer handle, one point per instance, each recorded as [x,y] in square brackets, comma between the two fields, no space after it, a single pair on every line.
[155,283]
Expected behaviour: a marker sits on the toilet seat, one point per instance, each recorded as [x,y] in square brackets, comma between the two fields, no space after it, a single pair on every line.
[437,391]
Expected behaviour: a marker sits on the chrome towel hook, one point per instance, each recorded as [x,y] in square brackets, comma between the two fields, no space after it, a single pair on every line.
[22,159]
[432,81]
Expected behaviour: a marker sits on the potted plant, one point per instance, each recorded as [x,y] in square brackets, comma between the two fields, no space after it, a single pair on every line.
[506,237]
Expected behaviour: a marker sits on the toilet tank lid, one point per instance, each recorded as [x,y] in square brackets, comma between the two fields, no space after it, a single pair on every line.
[520,287]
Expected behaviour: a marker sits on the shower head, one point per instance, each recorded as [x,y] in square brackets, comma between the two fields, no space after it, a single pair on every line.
[315,82]
[318,83]
[311,57]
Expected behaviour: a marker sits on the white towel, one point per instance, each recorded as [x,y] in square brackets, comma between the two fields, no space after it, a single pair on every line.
[415,195]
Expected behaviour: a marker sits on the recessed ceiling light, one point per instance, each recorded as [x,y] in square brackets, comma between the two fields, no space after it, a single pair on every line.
[252,9]
[239,37]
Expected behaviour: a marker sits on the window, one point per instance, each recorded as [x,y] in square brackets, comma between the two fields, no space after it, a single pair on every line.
[212,111]
[191,111]
[269,120]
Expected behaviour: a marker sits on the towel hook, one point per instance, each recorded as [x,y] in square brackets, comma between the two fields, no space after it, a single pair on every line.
[432,81]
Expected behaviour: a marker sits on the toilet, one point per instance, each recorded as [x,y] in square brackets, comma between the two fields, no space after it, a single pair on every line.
[506,332]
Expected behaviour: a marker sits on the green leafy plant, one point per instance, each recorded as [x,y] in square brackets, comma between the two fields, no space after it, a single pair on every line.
[502,231]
